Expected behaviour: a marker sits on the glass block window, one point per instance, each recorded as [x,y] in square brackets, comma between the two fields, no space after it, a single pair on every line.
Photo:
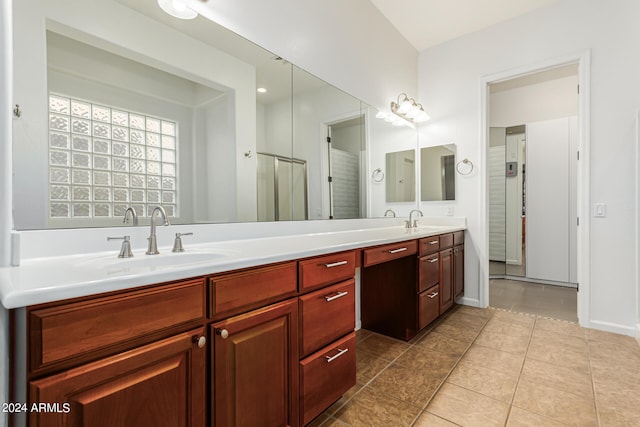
[104,159]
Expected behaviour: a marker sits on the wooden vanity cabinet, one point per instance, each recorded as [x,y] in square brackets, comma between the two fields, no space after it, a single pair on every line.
[127,358]
[458,264]
[254,368]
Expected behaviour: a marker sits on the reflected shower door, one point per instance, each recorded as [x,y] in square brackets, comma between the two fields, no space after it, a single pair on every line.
[282,188]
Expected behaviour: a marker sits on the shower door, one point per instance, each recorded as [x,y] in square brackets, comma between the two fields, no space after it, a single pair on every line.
[282,188]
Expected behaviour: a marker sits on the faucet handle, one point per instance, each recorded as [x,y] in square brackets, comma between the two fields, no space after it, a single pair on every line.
[125,249]
[177,244]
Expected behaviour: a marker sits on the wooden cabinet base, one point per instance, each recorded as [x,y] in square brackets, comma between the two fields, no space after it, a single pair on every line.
[326,375]
[158,384]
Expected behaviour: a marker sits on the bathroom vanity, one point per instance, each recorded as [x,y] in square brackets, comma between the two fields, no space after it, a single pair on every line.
[272,343]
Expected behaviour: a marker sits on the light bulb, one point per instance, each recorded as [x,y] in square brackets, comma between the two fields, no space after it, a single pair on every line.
[405,106]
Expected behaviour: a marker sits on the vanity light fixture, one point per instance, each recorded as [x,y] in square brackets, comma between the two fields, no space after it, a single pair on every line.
[394,119]
[408,109]
[177,9]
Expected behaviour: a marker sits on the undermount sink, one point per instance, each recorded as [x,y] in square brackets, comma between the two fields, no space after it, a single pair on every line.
[163,260]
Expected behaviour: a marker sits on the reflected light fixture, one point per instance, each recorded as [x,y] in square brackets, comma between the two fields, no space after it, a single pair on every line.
[408,109]
[177,9]
[261,90]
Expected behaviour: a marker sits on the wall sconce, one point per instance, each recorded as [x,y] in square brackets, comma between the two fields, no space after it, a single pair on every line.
[177,9]
[408,109]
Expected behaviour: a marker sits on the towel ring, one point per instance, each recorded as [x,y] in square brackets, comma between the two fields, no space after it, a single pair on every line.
[377,175]
[464,170]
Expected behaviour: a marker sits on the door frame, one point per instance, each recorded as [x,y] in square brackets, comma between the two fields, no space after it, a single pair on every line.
[583,59]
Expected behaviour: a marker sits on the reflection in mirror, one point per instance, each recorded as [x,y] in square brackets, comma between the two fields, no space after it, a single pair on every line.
[128,124]
[438,173]
[401,186]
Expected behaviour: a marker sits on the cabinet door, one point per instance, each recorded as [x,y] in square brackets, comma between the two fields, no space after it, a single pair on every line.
[446,279]
[255,360]
[458,271]
[160,384]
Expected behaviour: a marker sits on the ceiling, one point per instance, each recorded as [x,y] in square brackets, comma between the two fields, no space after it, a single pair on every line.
[426,23]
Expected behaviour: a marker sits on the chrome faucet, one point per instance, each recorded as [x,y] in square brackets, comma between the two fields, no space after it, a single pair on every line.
[412,223]
[152,249]
[134,216]
[391,212]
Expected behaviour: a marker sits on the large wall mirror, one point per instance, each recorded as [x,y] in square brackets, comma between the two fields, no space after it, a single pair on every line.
[172,113]
[438,173]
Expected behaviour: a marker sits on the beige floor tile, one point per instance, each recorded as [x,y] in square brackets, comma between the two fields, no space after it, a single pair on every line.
[469,321]
[562,378]
[612,417]
[332,422]
[497,360]
[561,327]
[571,342]
[622,399]
[558,355]
[503,326]
[611,376]
[369,409]
[467,408]
[483,313]
[368,366]
[457,330]
[559,405]
[516,345]
[382,346]
[443,344]
[596,335]
[427,419]
[319,420]
[620,355]
[421,359]
[521,418]
[362,334]
[408,385]
[519,318]
[494,384]
[344,399]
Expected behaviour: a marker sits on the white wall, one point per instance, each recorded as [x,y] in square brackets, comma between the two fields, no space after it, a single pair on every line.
[449,77]
[349,44]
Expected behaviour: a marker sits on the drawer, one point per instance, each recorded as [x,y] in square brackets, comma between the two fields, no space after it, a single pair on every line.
[324,270]
[446,240]
[429,245]
[326,315]
[325,376]
[429,273]
[245,290]
[379,254]
[107,323]
[458,238]
[428,307]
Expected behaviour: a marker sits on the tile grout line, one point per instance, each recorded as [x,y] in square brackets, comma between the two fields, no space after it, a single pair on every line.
[593,383]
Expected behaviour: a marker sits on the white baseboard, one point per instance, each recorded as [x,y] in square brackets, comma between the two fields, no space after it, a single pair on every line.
[638,333]
[469,301]
[613,327]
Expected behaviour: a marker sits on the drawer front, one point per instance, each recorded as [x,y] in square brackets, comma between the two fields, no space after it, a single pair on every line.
[324,270]
[325,376]
[325,315]
[458,238]
[76,329]
[237,292]
[429,245]
[428,307]
[429,271]
[446,240]
[389,252]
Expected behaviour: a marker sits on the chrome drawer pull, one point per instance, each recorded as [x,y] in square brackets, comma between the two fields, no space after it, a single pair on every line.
[433,295]
[340,353]
[336,264]
[433,242]
[395,251]
[336,296]
[433,260]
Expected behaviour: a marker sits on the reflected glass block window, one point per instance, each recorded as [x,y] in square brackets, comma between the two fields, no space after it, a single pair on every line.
[103,159]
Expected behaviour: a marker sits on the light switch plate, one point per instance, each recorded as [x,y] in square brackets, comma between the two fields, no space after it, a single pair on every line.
[600,210]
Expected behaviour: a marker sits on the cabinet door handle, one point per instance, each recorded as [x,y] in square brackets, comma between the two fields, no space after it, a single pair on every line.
[340,353]
[200,340]
[395,251]
[433,260]
[336,296]
[433,295]
[223,333]
[336,264]
[433,242]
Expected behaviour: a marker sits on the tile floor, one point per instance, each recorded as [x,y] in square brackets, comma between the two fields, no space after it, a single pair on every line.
[557,302]
[490,367]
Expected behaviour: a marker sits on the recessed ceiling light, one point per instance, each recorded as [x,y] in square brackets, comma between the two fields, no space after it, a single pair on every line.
[262,90]
[177,9]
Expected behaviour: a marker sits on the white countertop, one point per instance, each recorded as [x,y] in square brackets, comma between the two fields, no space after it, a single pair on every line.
[53,278]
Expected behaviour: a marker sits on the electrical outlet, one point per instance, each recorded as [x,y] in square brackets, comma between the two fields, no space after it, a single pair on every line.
[449,210]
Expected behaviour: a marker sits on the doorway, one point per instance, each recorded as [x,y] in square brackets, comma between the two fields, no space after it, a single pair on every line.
[531,192]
